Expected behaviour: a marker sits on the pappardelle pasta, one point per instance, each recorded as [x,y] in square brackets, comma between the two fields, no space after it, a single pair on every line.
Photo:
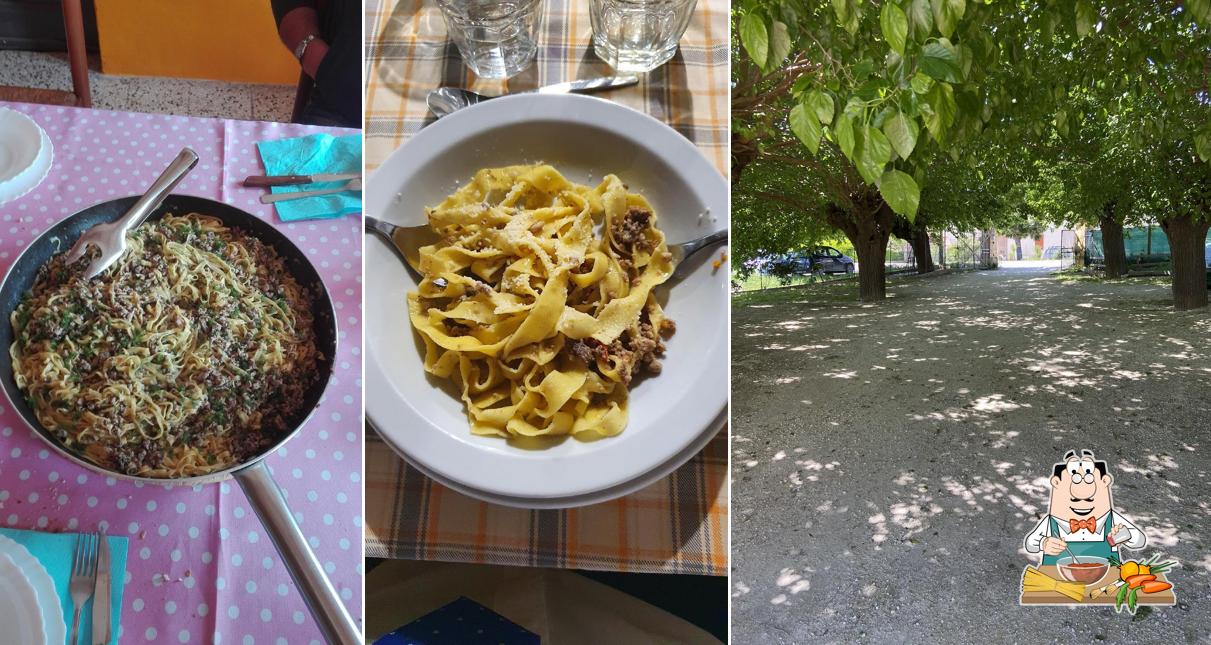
[540,319]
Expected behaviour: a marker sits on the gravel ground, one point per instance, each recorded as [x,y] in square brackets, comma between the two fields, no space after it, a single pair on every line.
[889,460]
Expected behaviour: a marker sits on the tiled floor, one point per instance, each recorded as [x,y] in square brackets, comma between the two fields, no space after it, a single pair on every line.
[146,94]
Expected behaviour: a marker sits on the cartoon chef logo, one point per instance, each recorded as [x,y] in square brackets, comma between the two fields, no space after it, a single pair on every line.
[1080,543]
[1081,519]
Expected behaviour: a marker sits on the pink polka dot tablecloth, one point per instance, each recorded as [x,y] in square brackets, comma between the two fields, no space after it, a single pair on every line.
[202,568]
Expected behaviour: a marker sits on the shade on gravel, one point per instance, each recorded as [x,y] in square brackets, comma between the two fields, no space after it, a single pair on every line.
[889,460]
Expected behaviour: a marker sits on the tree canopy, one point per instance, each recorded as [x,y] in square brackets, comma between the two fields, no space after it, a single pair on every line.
[1091,112]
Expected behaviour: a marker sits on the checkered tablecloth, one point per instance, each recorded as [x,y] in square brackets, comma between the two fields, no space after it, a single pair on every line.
[676,525]
[408,55]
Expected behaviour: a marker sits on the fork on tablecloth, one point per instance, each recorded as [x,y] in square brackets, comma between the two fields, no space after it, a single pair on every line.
[83,577]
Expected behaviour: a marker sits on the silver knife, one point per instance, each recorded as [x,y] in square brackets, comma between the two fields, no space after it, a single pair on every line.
[587,85]
[265,181]
[101,613]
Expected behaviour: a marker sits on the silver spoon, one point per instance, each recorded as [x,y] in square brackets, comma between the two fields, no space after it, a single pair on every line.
[1071,554]
[445,100]
[408,240]
[110,237]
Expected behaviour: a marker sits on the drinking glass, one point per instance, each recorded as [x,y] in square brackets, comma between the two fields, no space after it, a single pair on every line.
[638,35]
[495,39]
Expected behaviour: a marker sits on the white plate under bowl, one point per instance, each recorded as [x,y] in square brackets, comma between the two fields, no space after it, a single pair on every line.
[29,606]
[26,155]
[584,138]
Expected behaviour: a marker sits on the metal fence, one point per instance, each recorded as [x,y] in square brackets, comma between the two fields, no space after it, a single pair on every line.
[1067,249]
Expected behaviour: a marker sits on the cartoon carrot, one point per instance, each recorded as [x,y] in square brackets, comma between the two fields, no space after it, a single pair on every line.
[1135,577]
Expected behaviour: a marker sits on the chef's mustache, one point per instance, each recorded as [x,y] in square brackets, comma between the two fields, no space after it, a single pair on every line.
[1078,499]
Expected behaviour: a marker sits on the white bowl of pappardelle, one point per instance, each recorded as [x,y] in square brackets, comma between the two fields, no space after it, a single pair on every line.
[671,415]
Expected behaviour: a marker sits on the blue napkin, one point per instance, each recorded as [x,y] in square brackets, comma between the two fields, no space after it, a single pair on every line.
[464,622]
[54,551]
[312,155]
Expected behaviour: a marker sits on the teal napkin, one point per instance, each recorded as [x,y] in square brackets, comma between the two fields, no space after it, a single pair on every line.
[54,551]
[312,155]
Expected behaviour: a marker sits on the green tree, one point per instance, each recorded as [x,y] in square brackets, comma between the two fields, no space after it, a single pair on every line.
[1138,72]
[870,92]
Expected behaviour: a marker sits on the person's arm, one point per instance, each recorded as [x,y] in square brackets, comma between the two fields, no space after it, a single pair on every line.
[1034,540]
[1137,538]
[298,20]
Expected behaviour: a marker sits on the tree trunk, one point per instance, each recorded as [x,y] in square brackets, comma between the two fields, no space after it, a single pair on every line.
[868,230]
[1078,247]
[872,266]
[744,152]
[1187,238]
[917,237]
[1019,241]
[986,259]
[922,250]
[1112,247]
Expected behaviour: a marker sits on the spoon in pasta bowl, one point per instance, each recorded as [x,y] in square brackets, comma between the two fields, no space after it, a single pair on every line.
[110,237]
[408,240]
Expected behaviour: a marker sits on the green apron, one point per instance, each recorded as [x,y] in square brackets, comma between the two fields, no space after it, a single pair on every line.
[1100,549]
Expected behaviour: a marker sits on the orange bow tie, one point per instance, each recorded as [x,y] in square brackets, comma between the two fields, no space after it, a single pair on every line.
[1089,524]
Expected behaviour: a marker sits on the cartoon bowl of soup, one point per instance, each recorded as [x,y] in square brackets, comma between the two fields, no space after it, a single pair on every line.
[1086,569]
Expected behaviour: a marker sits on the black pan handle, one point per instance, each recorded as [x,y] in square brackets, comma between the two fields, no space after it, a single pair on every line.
[325,605]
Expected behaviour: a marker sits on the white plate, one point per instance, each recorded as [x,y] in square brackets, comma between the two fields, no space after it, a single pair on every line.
[584,138]
[26,154]
[52,628]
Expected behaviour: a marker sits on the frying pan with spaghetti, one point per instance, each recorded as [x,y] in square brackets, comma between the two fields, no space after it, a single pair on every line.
[250,470]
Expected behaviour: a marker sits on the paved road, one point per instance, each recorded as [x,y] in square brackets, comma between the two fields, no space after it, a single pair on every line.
[888,460]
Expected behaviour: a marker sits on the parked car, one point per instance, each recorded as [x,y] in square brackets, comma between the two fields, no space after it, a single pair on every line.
[820,259]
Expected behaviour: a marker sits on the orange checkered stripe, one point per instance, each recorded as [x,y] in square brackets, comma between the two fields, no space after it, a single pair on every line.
[408,54]
[676,525]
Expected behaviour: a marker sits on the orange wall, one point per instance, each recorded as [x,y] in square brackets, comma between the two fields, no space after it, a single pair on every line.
[229,40]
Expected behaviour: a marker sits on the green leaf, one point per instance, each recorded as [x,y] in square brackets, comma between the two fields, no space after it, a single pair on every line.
[848,14]
[821,104]
[801,84]
[941,115]
[806,126]
[921,17]
[780,45]
[843,129]
[940,60]
[872,151]
[900,192]
[755,38]
[1202,143]
[920,83]
[902,132]
[863,68]
[894,24]
[1133,599]
[947,13]
[1061,122]
[1085,17]
[842,9]
[1120,597]
[1200,11]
